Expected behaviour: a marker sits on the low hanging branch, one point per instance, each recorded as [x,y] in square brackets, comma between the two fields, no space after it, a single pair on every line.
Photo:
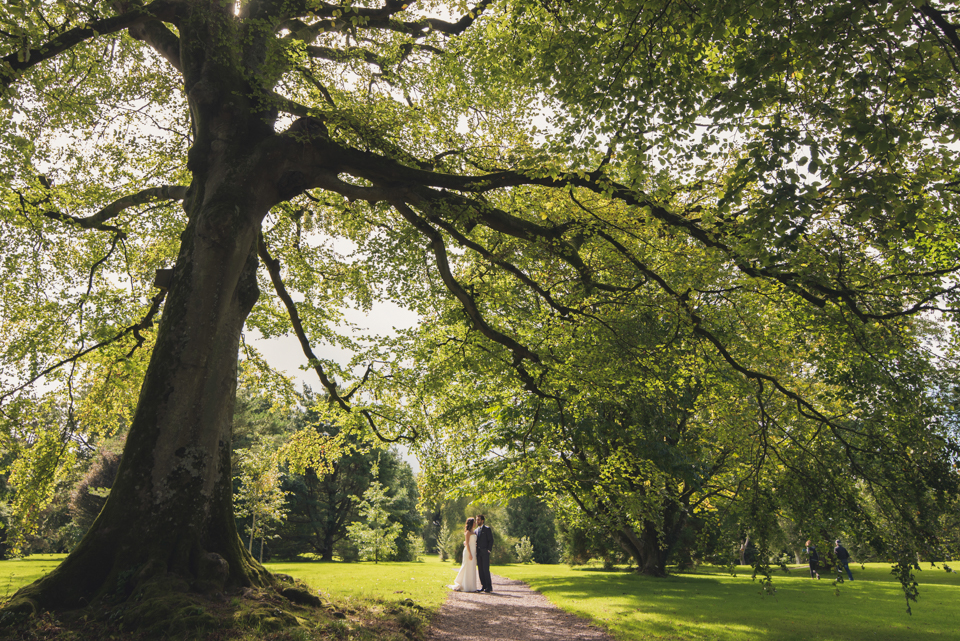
[342,400]
[503,222]
[134,329]
[469,304]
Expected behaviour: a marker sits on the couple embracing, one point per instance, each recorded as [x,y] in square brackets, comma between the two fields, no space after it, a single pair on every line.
[477,546]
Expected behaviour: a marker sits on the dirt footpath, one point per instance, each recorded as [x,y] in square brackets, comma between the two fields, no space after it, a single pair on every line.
[513,612]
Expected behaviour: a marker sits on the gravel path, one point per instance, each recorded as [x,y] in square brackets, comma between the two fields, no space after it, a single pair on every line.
[513,612]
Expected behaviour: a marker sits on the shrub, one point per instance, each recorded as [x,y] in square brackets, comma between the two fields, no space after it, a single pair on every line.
[347,551]
[415,547]
[524,550]
[453,546]
[442,537]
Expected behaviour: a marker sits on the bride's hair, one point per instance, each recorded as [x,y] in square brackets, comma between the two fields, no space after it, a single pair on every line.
[469,525]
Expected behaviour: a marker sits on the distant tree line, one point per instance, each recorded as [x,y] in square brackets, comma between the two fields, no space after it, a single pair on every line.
[320,506]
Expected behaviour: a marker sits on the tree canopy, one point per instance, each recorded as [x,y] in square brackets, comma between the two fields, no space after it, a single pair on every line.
[724,227]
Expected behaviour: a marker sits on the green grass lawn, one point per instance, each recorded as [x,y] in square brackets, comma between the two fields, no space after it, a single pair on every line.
[709,604]
[713,605]
[424,582]
[18,572]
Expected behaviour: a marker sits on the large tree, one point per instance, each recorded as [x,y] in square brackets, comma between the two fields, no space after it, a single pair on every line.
[647,433]
[413,136]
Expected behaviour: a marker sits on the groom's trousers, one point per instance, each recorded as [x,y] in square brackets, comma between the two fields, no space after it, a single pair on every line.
[483,568]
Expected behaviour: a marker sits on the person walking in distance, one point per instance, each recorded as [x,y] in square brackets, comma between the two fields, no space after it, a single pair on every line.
[844,558]
[484,548]
[814,560]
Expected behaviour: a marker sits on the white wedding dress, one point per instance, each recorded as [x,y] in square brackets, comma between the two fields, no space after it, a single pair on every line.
[466,580]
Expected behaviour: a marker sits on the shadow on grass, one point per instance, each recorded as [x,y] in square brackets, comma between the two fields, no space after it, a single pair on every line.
[715,605]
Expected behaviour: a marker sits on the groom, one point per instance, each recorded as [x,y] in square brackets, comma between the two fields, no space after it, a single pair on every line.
[484,547]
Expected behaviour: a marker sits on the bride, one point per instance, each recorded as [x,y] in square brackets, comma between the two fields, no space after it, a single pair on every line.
[466,580]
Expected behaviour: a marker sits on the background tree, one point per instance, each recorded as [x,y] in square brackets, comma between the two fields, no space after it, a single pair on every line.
[321,506]
[376,536]
[524,550]
[415,547]
[89,495]
[530,517]
[260,496]
[443,533]
[321,498]
[268,420]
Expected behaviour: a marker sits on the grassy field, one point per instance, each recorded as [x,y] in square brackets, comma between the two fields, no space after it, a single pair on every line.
[713,605]
[17,572]
[709,604]
[424,582]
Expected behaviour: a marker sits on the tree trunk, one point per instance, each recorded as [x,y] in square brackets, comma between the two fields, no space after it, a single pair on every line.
[169,516]
[650,549]
[327,550]
[170,511]
[645,549]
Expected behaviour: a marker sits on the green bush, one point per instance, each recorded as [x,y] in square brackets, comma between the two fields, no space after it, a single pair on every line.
[415,547]
[442,535]
[347,551]
[524,550]
[453,545]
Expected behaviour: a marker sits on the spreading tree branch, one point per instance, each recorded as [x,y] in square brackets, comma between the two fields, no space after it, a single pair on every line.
[157,35]
[114,209]
[947,28]
[273,268]
[134,329]
[808,286]
[14,64]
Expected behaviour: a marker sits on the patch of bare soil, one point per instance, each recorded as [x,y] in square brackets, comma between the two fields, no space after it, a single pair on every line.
[513,612]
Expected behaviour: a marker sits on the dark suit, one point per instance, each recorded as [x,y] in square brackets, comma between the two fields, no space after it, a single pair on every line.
[484,548]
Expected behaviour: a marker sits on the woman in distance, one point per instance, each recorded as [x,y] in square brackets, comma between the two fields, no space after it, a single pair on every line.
[466,580]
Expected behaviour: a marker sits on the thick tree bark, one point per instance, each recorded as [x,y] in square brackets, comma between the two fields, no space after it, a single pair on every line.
[650,548]
[169,517]
[328,539]
[170,511]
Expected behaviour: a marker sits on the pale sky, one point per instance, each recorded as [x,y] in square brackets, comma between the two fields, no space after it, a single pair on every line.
[285,353]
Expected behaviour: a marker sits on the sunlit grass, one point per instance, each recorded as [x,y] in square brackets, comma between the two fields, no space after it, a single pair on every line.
[713,605]
[709,604]
[425,583]
[19,572]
